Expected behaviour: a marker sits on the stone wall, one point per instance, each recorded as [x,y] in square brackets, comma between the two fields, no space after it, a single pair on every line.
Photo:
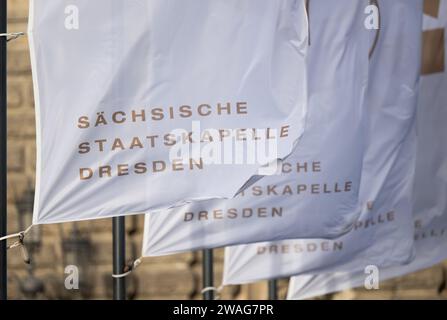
[171,277]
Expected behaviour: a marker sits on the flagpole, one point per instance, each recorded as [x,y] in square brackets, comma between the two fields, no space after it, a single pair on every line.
[119,257]
[207,273]
[273,289]
[3,143]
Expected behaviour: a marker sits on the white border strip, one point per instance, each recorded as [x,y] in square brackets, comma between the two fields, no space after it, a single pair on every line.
[32,49]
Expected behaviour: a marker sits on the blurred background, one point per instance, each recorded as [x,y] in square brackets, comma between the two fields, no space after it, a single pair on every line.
[88,245]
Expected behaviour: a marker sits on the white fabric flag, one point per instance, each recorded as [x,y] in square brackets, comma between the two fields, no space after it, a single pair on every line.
[382,236]
[145,105]
[431,249]
[316,195]
[430,207]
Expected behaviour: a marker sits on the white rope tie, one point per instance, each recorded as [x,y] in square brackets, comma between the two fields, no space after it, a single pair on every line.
[129,268]
[12,36]
[19,243]
[217,290]
[17,235]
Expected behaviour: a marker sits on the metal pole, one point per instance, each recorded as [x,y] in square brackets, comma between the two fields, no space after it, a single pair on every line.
[273,289]
[3,143]
[207,273]
[119,257]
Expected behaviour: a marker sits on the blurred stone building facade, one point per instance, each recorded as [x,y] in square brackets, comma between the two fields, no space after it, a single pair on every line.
[89,244]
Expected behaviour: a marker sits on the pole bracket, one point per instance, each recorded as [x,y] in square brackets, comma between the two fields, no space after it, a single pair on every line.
[129,268]
[217,290]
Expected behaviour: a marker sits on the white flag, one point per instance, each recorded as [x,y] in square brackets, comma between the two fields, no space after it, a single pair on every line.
[430,187]
[431,249]
[144,105]
[383,234]
[316,194]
